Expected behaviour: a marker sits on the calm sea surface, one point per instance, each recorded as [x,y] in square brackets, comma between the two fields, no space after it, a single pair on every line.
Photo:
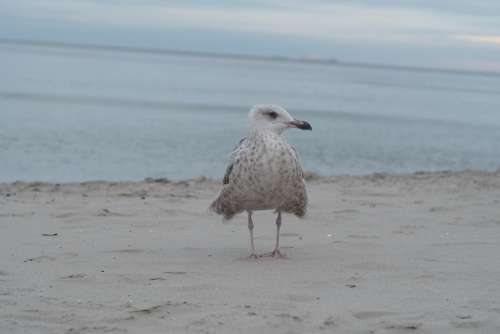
[72,115]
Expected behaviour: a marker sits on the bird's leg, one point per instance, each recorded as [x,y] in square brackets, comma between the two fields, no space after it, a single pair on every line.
[250,229]
[276,251]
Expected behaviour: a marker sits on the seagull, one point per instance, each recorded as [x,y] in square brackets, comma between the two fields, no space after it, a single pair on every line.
[264,172]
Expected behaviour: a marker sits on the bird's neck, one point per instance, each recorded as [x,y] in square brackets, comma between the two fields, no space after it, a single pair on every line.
[265,132]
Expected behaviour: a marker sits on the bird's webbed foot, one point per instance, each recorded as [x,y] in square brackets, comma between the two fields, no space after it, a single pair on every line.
[275,253]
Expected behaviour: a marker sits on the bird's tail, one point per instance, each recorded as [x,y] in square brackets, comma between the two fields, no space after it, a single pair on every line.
[220,208]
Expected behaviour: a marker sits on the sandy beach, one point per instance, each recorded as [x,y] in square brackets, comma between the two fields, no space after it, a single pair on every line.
[383,253]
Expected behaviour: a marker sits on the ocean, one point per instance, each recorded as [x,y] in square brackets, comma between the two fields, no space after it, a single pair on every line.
[75,114]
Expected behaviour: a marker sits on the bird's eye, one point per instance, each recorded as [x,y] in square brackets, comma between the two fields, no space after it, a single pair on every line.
[272,114]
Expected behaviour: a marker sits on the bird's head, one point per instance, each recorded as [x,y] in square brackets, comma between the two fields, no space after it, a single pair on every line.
[274,118]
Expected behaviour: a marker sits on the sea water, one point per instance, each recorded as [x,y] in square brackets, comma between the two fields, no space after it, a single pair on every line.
[84,114]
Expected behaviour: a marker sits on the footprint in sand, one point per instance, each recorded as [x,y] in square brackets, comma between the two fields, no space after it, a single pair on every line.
[329,322]
[289,316]
[403,326]
[108,213]
[371,314]
[74,276]
[39,259]
[439,209]
[161,309]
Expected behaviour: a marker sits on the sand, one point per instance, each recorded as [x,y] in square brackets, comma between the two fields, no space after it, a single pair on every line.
[416,253]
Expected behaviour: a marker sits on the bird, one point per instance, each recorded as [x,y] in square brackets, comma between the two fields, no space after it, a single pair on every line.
[264,172]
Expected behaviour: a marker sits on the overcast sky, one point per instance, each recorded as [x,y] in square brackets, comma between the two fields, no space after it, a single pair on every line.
[447,33]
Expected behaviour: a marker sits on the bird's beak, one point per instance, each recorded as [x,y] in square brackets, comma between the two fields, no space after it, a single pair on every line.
[303,125]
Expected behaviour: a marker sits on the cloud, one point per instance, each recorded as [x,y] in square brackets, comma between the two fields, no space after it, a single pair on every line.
[316,20]
[484,8]
[482,39]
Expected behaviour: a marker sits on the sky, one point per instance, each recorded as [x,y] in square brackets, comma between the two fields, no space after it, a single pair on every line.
[455,34]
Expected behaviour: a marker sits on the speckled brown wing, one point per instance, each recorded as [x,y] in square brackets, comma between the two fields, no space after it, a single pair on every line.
[297,161]
[297,197]
[221,205]
[229,169]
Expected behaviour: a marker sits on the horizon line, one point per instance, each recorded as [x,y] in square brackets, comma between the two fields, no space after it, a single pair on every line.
[239,56]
